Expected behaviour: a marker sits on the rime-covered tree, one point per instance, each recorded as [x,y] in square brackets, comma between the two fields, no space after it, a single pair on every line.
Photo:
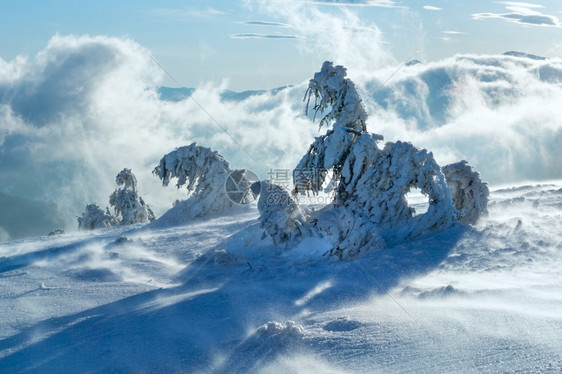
[204,173]
[380,193]
[371,209]
[469,192]
[95,218]
[336,96]
[129,207]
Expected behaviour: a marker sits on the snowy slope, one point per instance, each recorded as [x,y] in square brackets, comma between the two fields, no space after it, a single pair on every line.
[199,298]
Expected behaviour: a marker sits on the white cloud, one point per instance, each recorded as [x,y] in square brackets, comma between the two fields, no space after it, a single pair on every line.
[452,32]
[85,107]
[357,3]
[429,7]
[521,4]
[264,36]
[265,23]
[344,37]
[497,112]
[522,13]
[179,14]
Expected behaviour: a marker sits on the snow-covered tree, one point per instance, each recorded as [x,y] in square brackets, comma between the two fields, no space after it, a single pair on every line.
[335,94]
[469,192]
[380,193]
[332,90]
[194,166]
[280,215]
[377,214]
[129,207]
[371,209]
[95,218]
[204,173]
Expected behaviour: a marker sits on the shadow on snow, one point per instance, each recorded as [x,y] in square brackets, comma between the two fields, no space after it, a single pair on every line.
[208,322]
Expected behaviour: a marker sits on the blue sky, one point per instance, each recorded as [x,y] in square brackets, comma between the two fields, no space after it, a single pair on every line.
[260,44]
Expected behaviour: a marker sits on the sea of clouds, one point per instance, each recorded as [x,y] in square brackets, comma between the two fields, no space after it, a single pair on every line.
[85,107]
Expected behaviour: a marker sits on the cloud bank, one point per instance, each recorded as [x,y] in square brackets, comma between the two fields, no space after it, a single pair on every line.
[500,113]
[85,107]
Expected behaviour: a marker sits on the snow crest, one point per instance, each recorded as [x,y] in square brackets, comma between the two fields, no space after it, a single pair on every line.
[290,328]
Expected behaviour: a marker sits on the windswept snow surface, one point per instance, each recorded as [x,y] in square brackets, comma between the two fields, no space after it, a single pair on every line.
[213,297]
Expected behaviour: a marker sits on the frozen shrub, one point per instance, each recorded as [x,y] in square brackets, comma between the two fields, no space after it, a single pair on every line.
[469,192]
[203,172]
[206,175]
[129,207]
[95,218]
[331,89]
[280,216]
[380,194]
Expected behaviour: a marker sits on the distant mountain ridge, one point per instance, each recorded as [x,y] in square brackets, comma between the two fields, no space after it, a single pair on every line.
[524,55]
[176,94]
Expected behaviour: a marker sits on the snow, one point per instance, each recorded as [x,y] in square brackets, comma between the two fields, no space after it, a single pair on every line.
[211,296]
